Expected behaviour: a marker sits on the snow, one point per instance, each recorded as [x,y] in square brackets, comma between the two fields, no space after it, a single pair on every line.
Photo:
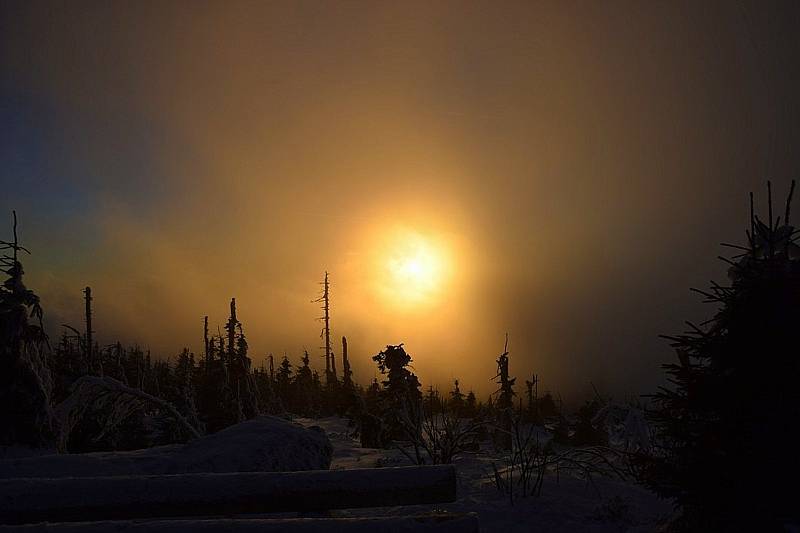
[263,444]
[565,504]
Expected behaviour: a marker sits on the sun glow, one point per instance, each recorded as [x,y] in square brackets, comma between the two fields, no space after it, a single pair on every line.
[414,268]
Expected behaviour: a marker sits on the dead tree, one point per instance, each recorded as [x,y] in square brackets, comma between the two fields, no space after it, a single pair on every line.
[206,352]
[87,296]
[330,361]
[94,362]
[347,377]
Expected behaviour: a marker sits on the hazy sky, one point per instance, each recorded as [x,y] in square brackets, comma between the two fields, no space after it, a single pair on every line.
[570,168]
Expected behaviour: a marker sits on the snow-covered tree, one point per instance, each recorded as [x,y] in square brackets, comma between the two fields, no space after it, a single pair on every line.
[401,388]
[25,383]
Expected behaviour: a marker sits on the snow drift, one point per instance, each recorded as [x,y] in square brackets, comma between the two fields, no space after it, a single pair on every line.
[263,444]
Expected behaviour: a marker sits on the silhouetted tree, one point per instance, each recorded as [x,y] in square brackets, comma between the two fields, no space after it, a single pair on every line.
[401,388]
[470,405]
[241,379]
[350,401]
[505,399]
[216,403]
[588,431]
[547,406]
[304,395]
[284,379]
[186,373]
[347,374]
[456,399]
[268,399]
[25,383]
[727,429]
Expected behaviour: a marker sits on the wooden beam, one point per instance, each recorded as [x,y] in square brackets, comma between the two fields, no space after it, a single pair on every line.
[26,501]
[442,523]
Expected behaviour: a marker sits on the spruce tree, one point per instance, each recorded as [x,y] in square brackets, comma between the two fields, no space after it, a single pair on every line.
[401,389]
[505,400]
[505,394]
[728,426]
[456,399]
[303,385]
[186,374]
[471,405]
[350,400]
[215,399]
[241,379]
[284,381]
[347,374]
[25,383]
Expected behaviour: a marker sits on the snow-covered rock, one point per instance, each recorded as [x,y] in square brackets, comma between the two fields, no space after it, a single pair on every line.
[263,444]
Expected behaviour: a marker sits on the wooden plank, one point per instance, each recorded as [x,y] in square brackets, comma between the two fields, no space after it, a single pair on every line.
[25,501]
[443,523]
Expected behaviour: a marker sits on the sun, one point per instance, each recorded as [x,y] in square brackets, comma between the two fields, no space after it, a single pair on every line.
[415,273]
[415,268]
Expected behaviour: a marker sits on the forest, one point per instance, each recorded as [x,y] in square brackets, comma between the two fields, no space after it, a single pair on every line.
[717,443]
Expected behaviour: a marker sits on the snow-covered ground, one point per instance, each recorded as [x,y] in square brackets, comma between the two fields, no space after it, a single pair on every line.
[566,504]
[263,444]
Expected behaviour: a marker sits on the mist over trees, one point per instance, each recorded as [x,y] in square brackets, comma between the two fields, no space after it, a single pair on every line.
[719,441]
[79,395]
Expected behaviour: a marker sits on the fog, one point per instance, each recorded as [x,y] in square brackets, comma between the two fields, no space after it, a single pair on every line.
[577,166]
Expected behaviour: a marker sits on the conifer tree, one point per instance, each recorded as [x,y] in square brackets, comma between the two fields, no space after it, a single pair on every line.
[284,380]
[505,399]
[239,374]
[374,388]
[587,431]
[25,383]
[304,383]
[727,427]
[505,394]
[349,400]
[347,377]
[268,401]
[432,400]
[532,391]
[185,375]
[401,388]
[456,399]
[471,405]
[215,401]
[67,365]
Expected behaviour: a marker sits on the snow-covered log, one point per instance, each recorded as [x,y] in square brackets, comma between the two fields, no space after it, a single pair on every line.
[263,444]
[25,501]
[436,523]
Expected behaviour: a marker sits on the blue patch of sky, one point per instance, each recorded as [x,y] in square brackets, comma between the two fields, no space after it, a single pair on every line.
[31,150]
[59,164]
